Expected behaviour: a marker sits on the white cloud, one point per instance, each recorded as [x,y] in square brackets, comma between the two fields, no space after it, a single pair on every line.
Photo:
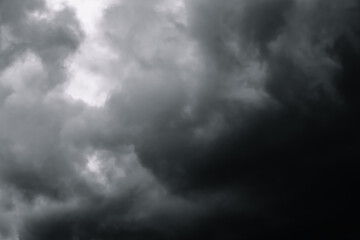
[86,84]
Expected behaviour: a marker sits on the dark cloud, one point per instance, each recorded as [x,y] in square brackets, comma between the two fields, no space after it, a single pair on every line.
[239,121]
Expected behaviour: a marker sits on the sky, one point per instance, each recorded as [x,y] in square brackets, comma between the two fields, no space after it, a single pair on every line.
[179,119]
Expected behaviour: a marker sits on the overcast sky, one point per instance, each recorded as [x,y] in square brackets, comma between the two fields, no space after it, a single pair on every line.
[179,119]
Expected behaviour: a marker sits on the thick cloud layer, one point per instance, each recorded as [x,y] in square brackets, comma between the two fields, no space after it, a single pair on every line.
[223,120]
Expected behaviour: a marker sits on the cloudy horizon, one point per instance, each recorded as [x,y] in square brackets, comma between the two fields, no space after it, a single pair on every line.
[179,119]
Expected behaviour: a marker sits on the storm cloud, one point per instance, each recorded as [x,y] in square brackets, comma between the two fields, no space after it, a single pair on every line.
[179,119]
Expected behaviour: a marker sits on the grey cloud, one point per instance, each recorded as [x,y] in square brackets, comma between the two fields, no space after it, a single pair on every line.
[53,41]
[30,120]
[243,123]
[35,162]
[303,114]
[230,37]
[15,11]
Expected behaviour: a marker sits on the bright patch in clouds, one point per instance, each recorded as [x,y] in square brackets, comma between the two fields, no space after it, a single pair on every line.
[89,12]
[86,84]
[90,77]
[105,172]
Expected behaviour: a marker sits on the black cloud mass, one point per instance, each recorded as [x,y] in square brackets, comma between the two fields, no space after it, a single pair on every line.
[232,119]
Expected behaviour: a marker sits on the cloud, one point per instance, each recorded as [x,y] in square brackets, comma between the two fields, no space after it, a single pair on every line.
[216,120]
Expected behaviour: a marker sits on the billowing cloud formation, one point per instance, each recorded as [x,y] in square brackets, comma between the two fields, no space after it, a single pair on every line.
[171,119]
